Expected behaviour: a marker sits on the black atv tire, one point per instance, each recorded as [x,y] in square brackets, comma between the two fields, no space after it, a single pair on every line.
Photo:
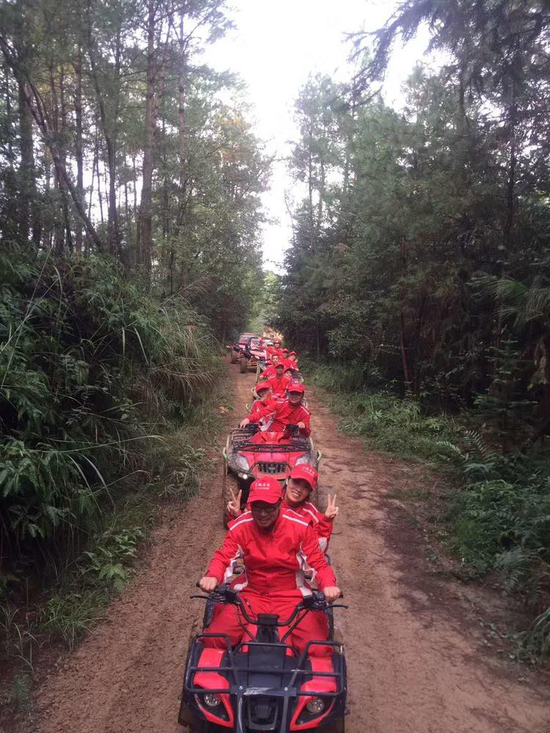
[233,356]
[229,483]
[244,365]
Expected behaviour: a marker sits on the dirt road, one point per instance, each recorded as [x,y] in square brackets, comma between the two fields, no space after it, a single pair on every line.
[414,656]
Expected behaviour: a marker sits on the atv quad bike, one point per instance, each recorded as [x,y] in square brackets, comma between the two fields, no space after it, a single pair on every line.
[251,354]
[250,454]
[236,350]
[264,684]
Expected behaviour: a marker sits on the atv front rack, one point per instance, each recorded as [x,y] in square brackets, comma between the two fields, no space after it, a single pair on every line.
[300,669]
[298,446]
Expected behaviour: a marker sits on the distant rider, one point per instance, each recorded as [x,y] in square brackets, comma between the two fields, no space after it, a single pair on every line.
[270,370]
[279,383]
[276,416]
[275,349]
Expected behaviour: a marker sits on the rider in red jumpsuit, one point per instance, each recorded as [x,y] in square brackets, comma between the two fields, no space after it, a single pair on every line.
[275,349]
[277,415]
[279,383]
[271,369]
[302,481]
[263,396]
[276,547]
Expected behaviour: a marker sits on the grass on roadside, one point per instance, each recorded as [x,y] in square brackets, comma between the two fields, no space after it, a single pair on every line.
[75,603]
[496,513]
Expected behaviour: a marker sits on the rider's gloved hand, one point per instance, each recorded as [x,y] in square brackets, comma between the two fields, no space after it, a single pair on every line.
[208,584]
[332,593]
[301,426]
[244,423]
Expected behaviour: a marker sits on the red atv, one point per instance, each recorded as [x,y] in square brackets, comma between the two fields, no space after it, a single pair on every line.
[264,684]
[236,350]
[250,454]
[252,353]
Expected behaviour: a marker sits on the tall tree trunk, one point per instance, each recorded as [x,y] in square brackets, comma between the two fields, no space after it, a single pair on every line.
[98,177]
[321,201]
[63,185]
[40,115]
[79,147]
[156,71]
[10,226]
[403,347]
[182,124]
[145,225]
[109,129]
[310,193]
[27,195]
[407,371]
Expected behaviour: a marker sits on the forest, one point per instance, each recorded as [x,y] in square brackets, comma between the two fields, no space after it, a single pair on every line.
[416,283]
[130,182]
[419,269]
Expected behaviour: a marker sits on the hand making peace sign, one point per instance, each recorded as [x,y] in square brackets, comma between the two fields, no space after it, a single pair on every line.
[234,506]
[332,510]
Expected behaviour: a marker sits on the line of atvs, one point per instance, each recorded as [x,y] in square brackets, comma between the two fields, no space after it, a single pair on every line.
[263,684]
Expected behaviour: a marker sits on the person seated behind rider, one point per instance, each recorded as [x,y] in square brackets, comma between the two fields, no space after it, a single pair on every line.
[275,349]
[289,373]
[276,548]
[275,416]
[292,361]
[264,394]
[279,383]
[302,481]
[270,369]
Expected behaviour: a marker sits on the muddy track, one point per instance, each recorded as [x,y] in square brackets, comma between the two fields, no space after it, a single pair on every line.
[415,662]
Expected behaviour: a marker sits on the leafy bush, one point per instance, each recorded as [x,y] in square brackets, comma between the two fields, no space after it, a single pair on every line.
[86,362]
[498,504]
[391,423]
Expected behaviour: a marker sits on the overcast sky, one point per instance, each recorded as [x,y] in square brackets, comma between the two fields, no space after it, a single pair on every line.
[274,48]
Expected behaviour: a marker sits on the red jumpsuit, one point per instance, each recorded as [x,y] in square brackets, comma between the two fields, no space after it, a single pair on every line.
[277,415]
[274,350]
[261,407]
[279,385]
[269,372]
[307,511]
[321,525]
[273,581]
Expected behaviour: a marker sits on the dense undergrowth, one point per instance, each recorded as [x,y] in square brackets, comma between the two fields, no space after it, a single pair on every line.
[497,510]
[105,397]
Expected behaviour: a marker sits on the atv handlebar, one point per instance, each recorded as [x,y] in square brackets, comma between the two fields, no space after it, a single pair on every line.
[315,602]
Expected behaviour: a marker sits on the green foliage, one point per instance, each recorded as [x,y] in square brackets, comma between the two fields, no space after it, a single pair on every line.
[71,613]
[498,505]
[85,357]
[390,423]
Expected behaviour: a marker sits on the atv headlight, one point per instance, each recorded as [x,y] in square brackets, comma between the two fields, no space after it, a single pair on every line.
[239,462]
[305,459]
[211,700]
[315,706]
